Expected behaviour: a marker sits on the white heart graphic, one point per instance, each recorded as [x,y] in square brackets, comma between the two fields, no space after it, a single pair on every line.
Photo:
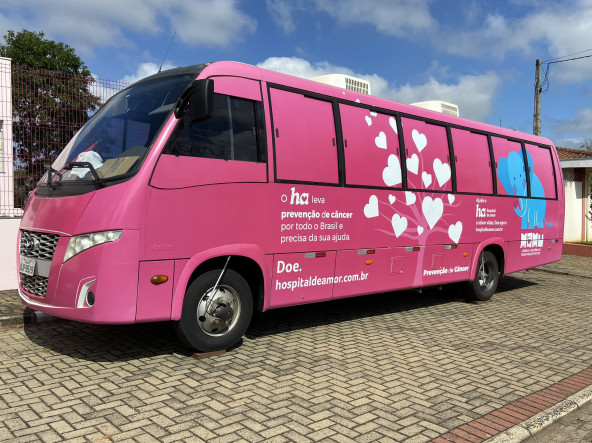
[454,231]
[410,198]
[450,198]
[381,140]
[373,114]
[371,208]
[419,139]
[393,124]
[368,120]
[392,199]
[399,224]
[420,230]
[392,173]
[413,164]
[442,171]
[426,178]
[432,210]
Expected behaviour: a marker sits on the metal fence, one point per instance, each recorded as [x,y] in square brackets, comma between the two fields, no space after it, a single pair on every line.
[40,111]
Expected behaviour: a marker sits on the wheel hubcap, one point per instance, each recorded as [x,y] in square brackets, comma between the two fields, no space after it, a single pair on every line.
[218,310]
[485,276]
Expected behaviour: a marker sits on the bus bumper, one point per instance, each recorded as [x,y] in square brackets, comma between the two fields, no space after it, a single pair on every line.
[99,285]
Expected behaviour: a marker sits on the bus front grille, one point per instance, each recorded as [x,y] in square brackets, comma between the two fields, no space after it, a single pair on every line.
[41,246]
[38,244]
[35,284]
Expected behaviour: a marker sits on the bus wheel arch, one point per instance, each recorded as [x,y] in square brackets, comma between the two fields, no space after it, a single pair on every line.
[248,268]
[489,267]
[218,303]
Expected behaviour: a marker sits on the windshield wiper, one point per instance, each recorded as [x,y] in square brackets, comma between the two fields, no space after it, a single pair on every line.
[50,172]
[89,166]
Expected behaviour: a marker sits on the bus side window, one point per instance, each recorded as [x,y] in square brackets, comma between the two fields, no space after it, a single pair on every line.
[473,162]
[511,173]
[542,177]
[230,134]
[428,156]
[371,145]
[304,138]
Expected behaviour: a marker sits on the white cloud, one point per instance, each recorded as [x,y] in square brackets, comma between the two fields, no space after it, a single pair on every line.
[548,28]
[399,18]
[474,94]
[86,25]
[581,125]
[210,22]
[570,143]
[281,13]
[391,17]
[144,70]
[556,28]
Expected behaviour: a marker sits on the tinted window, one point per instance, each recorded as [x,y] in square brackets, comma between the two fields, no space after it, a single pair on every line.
[473,162]
[230,134]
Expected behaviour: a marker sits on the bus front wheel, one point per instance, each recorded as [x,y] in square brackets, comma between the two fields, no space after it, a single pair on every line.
[215,317]
[484,285]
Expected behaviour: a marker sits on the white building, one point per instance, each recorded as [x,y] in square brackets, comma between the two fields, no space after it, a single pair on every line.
[576,166]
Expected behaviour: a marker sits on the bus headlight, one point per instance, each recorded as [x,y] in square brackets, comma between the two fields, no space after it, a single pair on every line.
[80,243]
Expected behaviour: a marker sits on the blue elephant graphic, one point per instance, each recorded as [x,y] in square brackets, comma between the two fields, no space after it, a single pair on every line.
[512,175]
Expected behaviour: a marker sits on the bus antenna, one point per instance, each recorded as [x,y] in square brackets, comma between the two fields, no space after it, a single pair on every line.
[167,51]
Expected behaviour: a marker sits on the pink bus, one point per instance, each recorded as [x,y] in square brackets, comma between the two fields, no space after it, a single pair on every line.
[201,194]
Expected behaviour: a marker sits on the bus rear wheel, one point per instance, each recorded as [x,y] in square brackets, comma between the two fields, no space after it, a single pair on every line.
[215,317]
[484,285]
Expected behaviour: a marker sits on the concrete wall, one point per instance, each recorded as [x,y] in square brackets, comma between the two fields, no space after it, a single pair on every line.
[572,231]
[8,234]
[586,209]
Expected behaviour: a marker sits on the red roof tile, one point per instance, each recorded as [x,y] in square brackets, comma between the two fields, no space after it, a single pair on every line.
[565,153]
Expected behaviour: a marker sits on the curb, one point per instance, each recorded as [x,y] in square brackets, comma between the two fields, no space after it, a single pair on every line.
[577,249]
[538,422]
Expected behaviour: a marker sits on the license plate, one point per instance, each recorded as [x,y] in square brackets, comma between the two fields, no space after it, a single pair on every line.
[27,266]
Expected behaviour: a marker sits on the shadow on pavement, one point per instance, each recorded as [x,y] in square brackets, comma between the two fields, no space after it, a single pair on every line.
[305,316]
[115,343]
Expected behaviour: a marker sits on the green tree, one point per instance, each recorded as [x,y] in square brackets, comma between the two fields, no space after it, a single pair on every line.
[51,100]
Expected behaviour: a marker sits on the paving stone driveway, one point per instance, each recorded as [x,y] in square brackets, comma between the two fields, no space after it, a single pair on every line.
[389,367]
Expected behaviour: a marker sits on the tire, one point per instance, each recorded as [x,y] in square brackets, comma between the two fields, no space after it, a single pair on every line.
[486,279]
[232,303]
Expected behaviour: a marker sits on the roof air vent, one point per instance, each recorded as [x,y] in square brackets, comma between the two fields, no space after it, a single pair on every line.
[346,82]
[439,106]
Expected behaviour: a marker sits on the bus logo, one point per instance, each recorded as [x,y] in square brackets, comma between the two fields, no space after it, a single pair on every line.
[531,240]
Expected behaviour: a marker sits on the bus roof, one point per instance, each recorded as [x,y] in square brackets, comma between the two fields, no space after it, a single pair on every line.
[237,69]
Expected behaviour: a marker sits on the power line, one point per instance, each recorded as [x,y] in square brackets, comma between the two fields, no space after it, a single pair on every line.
[545,83]
[543,87]
[567,59]
[567,55]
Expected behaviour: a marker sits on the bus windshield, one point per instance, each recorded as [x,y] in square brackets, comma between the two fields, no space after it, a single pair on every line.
[119,135]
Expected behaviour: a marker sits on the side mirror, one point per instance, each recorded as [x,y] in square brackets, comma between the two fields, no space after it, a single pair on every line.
[201,100]
[199,97]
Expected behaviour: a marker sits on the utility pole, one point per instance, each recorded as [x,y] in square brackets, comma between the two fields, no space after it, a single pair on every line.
[536,125]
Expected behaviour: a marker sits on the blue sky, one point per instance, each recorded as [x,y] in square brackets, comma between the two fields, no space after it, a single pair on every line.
[477,54]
